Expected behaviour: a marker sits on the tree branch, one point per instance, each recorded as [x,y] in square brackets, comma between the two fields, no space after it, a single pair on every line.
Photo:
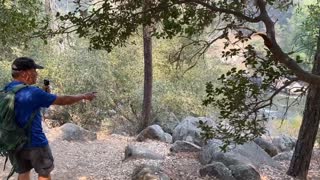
[277,51]
[270,99]
[269,38]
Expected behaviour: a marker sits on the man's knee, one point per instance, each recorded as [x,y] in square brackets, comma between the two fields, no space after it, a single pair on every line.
[24,176]
[44,177]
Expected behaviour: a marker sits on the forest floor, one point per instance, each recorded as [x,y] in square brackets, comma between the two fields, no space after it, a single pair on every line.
[102,159]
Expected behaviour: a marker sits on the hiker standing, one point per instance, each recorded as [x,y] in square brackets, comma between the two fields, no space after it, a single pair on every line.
[28,102]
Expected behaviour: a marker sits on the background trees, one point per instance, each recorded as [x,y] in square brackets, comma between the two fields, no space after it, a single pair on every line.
[241,94]
[19,21]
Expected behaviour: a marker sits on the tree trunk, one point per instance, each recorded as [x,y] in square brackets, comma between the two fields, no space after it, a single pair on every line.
[147,94]
[50,9]
[300,161]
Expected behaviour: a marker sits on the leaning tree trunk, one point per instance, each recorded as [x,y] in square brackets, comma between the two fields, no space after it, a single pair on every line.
[147,91]
[300,161]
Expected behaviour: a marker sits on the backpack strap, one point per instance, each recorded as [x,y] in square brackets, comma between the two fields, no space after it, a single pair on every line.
[18,88]
[30,120]
[28,126]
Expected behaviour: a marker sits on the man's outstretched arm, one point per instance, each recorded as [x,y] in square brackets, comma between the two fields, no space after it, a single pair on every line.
[71,99]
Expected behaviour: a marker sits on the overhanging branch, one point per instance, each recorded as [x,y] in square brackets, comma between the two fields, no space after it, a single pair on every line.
[269,37]
[277,51]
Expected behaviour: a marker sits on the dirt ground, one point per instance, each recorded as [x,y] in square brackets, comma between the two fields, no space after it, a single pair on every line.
[102,159]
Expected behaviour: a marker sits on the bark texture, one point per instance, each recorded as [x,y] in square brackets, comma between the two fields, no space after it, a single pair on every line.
[147,94]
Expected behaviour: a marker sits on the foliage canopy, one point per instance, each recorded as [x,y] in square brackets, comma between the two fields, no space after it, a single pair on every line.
[240,98]
[19,22]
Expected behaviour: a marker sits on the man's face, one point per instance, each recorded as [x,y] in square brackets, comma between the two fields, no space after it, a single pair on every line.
[31,76]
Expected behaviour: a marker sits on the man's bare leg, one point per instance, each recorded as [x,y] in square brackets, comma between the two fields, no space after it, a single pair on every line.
[44,177]
[24,176]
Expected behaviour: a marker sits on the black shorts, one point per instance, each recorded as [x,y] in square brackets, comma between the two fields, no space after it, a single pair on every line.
[39,158]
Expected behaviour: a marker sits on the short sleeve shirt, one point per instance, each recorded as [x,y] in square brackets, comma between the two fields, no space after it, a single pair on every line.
[28,100]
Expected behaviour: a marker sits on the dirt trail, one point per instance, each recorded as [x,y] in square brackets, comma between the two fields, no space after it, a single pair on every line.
[103,160]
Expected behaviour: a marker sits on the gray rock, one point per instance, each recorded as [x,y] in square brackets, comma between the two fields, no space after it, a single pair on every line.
[168,138]
[147,172]
[72,132]
[255,154]
[139,152]
[154,132]
[284,156]
[266,146]
[230,159]
[244,172]
[217,170]
[208,151]
[188,130]
[249,153]
[284,143]
[184,146]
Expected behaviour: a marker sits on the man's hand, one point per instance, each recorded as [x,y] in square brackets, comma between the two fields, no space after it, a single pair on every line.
[46,89]
[71,99]
[89,96]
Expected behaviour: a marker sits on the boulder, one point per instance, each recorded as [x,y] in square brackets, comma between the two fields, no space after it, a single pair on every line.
[217,170]
[148,172]
[184,146]
[284,143]
[248,153]
[229,159]
[71,132]
[140,152]
[266,146]
[209,150]
[154,132]
[168,138]
[255,154]
[244,172]
[283,156]
[188,130]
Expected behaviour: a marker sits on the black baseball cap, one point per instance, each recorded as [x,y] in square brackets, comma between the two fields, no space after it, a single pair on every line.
[24,63]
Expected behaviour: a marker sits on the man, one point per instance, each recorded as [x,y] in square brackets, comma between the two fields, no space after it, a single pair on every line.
[37,153]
